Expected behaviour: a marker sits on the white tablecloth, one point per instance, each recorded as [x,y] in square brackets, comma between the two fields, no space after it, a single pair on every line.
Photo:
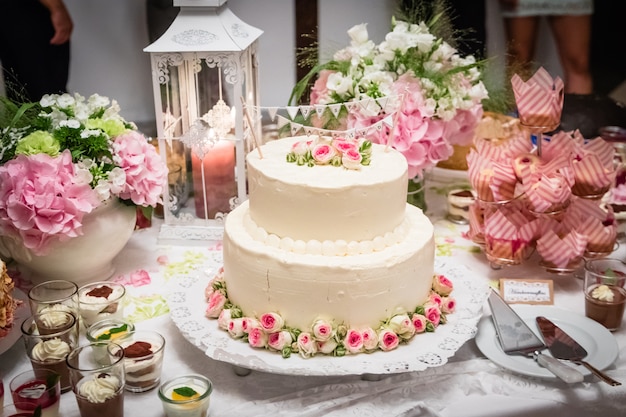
[468,385]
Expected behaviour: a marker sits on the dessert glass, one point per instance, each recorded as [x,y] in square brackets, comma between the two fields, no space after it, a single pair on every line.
[54,295]
[49,342]
[109,330]
[186,396]
[459,202]
[143,359]
[101,300]
[31,389]
[98,380]
[605,295]
[16,410]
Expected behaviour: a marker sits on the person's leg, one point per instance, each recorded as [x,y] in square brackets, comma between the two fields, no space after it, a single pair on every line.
[573,37]
[521,35]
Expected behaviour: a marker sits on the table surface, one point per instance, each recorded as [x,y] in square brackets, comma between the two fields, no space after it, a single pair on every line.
[468,385]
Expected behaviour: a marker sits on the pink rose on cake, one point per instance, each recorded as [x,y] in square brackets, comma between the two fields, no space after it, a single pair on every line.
[323,153]
[223,320]
[388,339]
[217,300]
[306,345]
[257,338]
[235,328]
[402,325]
[271,322]
[327,347]
[419,322]
[351,159]
[432,313]
[353,341]
[279,340]
[448,305]
[442,285]
[370,339]
[322,330]
[249,324]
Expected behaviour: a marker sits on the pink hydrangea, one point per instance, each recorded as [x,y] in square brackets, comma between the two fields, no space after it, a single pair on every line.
[146,175]
[42,200]
[419,136]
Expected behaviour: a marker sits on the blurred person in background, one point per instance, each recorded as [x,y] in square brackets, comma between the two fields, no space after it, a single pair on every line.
[34,47]
[570,23]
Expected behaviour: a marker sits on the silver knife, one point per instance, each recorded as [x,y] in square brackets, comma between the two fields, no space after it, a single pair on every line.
[516,338]
[563,346]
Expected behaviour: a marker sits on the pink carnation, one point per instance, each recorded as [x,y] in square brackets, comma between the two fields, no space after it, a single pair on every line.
[146,174]
[42,200]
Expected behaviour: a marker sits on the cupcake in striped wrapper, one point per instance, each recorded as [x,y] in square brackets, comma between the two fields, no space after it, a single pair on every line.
[539,100]
[598,224]
[561,249]
[509,235]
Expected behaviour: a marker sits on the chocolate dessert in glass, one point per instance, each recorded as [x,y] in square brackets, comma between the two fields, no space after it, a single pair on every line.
[605,295]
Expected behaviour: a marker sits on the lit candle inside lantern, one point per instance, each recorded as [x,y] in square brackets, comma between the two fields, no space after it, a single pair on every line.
[214,179]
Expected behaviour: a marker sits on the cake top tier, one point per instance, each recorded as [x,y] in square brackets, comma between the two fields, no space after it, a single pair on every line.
[377,164]
[326,202]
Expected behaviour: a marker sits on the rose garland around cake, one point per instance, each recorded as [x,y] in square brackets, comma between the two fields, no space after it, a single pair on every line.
[269,330]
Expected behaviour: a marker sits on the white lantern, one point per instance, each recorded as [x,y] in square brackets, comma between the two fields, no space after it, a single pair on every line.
[204,76]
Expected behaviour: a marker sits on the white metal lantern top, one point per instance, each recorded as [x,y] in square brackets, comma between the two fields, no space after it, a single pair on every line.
[205,26]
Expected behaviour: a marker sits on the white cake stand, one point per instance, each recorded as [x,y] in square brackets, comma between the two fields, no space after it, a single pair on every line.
[187,305]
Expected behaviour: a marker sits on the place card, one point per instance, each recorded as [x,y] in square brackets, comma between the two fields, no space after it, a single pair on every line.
[529,291]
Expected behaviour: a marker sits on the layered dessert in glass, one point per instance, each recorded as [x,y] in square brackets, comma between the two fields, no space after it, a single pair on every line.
[186,396]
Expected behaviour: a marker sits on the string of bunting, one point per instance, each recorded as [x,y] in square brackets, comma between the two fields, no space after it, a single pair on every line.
[388,105]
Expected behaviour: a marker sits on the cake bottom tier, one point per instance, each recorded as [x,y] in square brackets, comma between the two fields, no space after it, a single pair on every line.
[355,290]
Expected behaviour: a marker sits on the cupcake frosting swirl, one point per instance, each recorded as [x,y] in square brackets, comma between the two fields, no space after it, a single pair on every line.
[100,388]
[50,350]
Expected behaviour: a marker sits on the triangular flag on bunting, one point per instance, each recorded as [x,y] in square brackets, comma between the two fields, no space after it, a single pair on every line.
[309,130]
[292,111]
[362,132]
[282,121]
[335,109]
[272,112]
[295,127]
[382,102]
[319,109]
[388,120]
[305,110]
[350,105]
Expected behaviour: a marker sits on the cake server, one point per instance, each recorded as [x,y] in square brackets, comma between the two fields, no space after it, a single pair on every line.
[516,338]
[563,346]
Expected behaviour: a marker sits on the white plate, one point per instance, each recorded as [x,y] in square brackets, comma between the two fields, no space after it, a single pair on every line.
[21,312]
[600,344]
[187,305]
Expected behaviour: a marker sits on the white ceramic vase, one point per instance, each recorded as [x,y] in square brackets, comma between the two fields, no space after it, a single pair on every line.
[82,259]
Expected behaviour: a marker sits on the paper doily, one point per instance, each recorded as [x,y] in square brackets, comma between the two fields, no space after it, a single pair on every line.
[187,305]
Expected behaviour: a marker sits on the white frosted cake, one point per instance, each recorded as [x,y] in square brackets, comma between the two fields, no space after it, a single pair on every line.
[322,247]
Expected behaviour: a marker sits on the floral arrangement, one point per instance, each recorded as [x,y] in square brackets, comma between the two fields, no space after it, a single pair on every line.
[61,158]
[436,94]
[339,151]
[269,330]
